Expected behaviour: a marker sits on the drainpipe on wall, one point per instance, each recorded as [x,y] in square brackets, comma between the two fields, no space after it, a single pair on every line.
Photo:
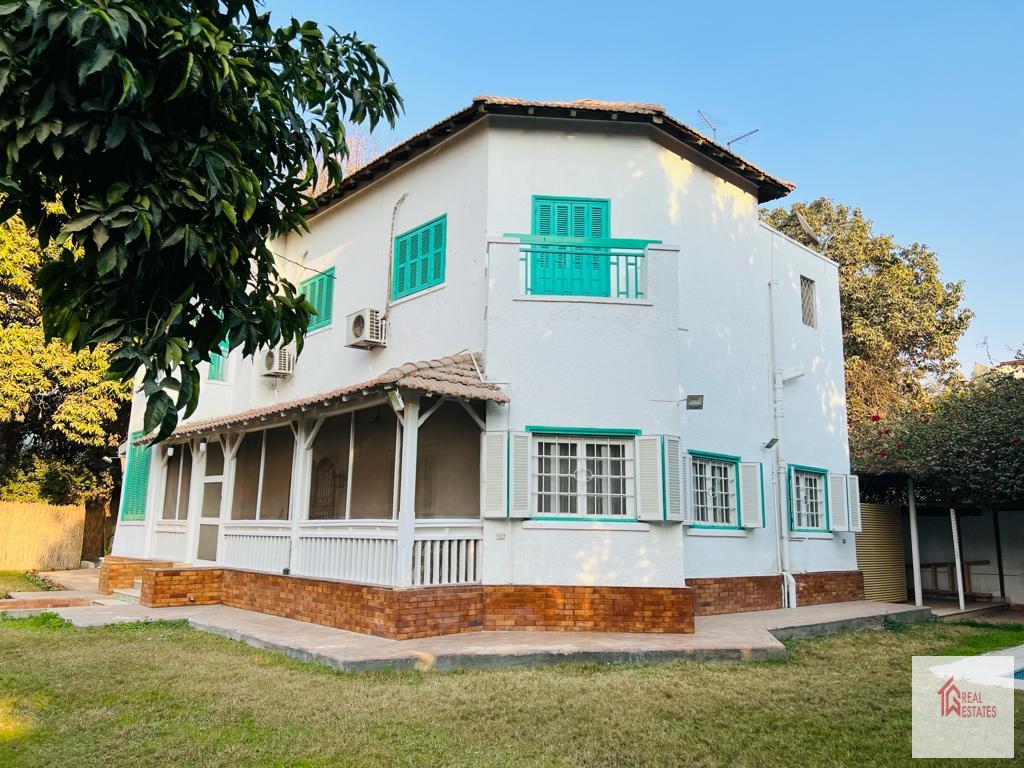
[779,464]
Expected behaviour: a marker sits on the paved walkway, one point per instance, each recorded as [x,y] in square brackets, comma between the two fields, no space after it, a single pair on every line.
[733,637]
[80,588]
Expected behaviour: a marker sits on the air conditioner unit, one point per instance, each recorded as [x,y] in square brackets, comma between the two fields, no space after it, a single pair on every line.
[277,362]
[366,329]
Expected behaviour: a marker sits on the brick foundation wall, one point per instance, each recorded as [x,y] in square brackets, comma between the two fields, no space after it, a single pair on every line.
[600,609]
[735,594]
[121,572]
[404,614]
[828,587]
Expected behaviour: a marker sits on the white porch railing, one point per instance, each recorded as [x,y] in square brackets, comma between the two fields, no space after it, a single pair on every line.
[257,548]
[446,552]
[363,552]
[169,541]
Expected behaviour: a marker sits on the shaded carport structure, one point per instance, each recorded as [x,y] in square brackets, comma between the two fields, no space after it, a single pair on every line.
[969,553]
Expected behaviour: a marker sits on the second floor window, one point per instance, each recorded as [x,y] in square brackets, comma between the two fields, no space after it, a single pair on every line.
[570,270]
[219,363]
[808,310]
[319,291]
[419,258]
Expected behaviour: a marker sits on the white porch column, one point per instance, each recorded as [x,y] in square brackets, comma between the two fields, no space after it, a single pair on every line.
[915,550]
[407,489]
[957,557]
[195,496]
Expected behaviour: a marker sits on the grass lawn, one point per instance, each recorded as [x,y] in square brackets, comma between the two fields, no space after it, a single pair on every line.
[17,581]
[162,694]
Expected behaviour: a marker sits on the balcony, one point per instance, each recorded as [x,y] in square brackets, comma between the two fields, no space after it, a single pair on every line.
[610,268]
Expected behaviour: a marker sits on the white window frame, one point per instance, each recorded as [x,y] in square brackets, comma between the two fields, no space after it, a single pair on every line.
[259,489]
[706,500]
[581,504]
[810,504]
[178,511]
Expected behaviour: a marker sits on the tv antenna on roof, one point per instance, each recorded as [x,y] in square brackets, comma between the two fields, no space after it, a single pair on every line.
[708,124]
[741,137]
[712,126]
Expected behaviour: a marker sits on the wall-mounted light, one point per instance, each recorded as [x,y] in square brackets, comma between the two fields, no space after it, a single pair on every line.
[770,444]
[170,451]
[202,445]
[396,401]
[695,402]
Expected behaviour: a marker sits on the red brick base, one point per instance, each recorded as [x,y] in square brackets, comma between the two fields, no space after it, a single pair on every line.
[735,594]
[828,587]
[600,609]
[402,614]
[121,572]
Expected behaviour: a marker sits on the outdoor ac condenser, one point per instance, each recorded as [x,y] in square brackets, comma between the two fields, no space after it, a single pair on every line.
[366,329]
[277,362]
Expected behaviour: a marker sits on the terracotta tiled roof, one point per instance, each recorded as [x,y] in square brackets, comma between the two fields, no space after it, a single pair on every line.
[460,376]
[768,187]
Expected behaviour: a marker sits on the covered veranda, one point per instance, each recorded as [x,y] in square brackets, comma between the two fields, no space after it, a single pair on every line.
[376,483]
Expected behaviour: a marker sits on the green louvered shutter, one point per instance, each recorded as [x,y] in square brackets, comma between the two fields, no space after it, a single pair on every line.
[419,258]
[136,482]
[319,291]
[565,270]
[219,363]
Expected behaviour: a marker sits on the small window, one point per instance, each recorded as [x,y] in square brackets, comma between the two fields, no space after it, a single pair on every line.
[178,480]
[219,364]
[419,258]
[809,501]
[584,477]
[319,291]
[807,302]
[714,491]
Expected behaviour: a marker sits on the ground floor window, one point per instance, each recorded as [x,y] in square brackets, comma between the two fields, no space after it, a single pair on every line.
[584,476]
[808,500]
[263,474]
[714,490]
[176,484]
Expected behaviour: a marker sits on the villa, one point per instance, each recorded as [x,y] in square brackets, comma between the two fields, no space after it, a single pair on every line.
[560,376]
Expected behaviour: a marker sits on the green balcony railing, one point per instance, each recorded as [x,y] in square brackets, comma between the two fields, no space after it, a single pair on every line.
[593,267]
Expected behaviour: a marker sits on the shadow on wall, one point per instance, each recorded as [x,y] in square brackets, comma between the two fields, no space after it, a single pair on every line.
[41,536]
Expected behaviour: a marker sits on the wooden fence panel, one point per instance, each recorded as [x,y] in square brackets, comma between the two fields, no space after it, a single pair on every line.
[40,536]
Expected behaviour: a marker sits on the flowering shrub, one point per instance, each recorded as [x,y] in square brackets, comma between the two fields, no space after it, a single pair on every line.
[43,582]
[966,444]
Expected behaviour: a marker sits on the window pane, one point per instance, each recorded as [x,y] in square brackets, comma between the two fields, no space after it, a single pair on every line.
[207,542]
[186,480]
[212,493]
[214,459]
[329,479]
[247,477]
[807,301]
[277,474]
[374,464]
[171,485]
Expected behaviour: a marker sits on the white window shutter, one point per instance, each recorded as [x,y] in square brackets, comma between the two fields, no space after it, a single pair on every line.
[675,487]
[751,495]
[493,466]
[648,478]
[519,475]
[686,483]
[853,498]
[838,506]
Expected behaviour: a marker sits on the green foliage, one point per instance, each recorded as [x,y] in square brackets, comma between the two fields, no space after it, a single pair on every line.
[180,139]
[60,413]
[901,323]
[965,446]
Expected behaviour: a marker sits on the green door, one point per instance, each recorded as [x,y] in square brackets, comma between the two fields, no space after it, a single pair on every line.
[570,270]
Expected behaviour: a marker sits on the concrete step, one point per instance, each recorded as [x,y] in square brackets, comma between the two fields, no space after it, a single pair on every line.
[127,595]
[137,584]
[976,613]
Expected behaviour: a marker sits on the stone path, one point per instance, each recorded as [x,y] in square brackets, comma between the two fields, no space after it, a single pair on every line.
[733,637]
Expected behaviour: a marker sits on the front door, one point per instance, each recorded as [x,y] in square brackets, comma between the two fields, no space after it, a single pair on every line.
[210,508]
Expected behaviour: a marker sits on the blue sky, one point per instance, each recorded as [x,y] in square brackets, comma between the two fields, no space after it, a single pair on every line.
[912,111]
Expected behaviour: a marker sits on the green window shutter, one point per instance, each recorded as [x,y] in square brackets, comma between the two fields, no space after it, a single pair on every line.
[136,481]
[419,258]
[565,270]
[319,291]
[219,363]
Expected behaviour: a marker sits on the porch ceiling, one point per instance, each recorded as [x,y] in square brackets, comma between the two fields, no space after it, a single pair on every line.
[458,376]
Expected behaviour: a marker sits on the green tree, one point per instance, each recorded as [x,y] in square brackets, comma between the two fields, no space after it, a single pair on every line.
[181,139]
[901,322]
[60,414]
